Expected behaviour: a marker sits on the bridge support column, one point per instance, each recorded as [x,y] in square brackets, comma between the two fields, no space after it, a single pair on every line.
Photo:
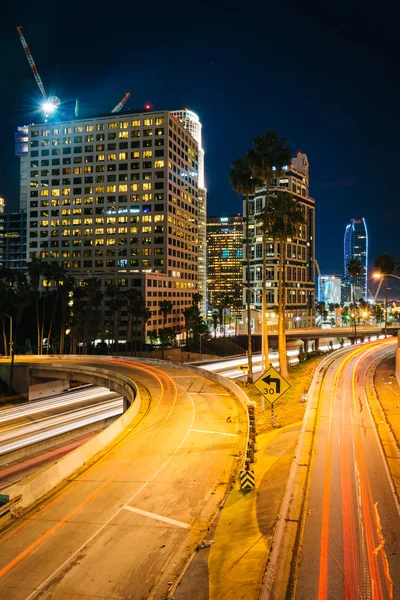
[305,344]
[316,343]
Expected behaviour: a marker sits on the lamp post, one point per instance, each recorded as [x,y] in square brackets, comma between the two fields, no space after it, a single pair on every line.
[11,344]
[385,275]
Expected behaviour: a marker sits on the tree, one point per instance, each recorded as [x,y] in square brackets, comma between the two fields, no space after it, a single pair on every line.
[133,300]
[115,302]
[35,271]
[223,304]
[57,275]
[165,307]
[267,161]
[146,315]
[354,269]
[215,318]
[188,315]
[284,220]
[93,295]
[244,184]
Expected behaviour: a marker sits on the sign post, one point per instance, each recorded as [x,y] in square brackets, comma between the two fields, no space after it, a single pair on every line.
[243,368]
[272,386]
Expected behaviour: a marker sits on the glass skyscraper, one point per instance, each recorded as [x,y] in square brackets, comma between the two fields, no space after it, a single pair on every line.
[356,246]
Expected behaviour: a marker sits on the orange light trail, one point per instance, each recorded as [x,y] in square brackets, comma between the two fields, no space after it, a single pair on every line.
[41,539]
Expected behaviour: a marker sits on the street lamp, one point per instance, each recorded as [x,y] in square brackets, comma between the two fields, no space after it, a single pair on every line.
[385,275]
[11,350]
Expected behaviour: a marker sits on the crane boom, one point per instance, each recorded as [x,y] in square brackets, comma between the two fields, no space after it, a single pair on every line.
[121,103]
[32,63]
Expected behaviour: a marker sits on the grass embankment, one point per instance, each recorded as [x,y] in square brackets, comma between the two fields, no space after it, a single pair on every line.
[288,409]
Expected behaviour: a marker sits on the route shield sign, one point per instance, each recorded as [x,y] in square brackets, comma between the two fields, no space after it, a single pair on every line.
[272,385]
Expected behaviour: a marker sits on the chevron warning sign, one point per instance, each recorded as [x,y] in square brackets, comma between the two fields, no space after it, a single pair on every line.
[247,480]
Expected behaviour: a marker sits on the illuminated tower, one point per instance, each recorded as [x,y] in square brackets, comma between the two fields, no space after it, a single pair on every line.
[192,123]
[356,246]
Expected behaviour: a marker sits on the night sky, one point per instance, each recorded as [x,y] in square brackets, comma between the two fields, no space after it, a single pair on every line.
[324,76]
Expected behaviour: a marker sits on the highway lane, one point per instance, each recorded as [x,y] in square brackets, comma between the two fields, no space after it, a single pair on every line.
[33,422]
[126,526]
[351,541]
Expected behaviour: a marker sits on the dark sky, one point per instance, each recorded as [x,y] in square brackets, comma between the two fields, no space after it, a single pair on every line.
[324,75]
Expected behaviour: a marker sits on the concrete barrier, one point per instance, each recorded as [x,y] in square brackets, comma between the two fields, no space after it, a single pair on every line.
[33,488]
[398,358]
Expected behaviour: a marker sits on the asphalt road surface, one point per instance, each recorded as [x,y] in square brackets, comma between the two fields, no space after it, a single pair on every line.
[351,542]
[126,526]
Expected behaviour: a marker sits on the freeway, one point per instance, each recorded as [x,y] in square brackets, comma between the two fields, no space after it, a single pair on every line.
[350,546]
[228,367]
[36,421]
[125,527]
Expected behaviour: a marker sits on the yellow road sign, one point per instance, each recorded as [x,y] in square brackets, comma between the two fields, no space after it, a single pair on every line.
[243,367]
[272,385]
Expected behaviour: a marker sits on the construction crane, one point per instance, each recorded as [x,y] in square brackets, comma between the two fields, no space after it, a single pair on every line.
[50,103]
[121,103]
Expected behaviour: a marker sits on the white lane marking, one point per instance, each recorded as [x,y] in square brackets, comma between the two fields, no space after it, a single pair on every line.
[138,491]
[214,432]
[145,513]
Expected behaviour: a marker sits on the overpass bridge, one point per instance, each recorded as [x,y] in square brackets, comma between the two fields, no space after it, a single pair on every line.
[315,334]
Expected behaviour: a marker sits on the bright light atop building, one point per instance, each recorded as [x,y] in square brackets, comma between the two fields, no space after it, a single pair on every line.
[48,107]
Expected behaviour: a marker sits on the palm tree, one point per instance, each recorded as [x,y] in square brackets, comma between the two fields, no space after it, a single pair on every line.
[115,303]
[284,218]
[386,264]
[35,270]
[57,276]
[146,315]
[244,184]
[132,299]
[354,269]
[215,318]
[331,307]
[93,295]
[188,316]
[165,307]
[267,161]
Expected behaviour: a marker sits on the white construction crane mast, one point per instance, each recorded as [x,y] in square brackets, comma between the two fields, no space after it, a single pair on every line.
[51,103]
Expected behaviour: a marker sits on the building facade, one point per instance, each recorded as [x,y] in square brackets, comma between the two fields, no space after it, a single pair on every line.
[300,259]
[116,197]
[225,260]
[330,289]
[13,240]
[191,122]
[356,246]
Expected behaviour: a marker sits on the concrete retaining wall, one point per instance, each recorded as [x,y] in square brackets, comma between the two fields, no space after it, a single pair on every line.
[398,359]
[38,485]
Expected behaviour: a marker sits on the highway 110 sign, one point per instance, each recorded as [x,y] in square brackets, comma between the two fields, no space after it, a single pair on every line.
[272,385]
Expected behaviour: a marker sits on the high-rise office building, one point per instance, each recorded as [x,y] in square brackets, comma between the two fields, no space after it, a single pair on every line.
[225,260]
[13,240]
[192,123]
[300,258]
[116,197]
[356,246]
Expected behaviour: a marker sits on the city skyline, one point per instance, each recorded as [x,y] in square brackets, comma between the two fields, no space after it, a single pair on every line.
[345,181]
